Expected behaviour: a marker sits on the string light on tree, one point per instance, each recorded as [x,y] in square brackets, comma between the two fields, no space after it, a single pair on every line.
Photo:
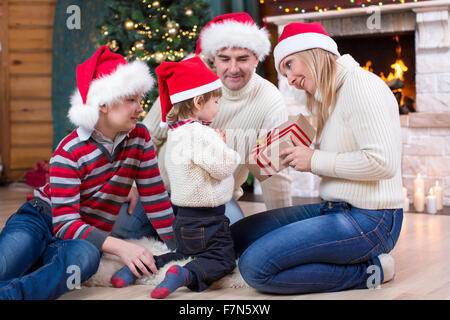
[153,31]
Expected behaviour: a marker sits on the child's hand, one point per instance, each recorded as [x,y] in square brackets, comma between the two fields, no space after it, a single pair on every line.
[222,135]
[134,256]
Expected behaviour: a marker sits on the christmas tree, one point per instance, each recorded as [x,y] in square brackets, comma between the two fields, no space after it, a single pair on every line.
[153,31]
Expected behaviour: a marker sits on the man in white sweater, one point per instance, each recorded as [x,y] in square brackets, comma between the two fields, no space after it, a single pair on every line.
[250,105]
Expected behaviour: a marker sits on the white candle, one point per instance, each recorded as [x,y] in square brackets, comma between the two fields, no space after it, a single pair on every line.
[437,191]
[431,202]
[406,205]
[419,199]
[419,183]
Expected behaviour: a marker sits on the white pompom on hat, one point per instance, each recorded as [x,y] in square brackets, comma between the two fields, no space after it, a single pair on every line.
[298,37]
[103,79]
[233,30]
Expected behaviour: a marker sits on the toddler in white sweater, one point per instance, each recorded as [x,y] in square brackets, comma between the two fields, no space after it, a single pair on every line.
[200,168]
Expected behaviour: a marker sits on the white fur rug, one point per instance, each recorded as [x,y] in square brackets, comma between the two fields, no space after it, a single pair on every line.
[109,264]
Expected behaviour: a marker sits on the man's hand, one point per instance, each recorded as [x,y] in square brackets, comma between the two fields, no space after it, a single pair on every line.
[132,198]
[134,256]
[298,157]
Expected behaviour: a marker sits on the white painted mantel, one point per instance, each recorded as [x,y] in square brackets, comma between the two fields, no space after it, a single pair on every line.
[425,149]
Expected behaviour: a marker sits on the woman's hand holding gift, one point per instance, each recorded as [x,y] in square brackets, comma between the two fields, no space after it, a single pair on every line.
[298,157]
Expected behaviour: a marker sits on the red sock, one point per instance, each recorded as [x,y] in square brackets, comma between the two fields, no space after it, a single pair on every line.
[176,277]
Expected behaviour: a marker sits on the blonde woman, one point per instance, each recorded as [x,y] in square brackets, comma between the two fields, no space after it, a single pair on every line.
[344,241]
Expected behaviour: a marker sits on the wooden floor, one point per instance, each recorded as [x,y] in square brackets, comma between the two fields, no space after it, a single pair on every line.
[422,257]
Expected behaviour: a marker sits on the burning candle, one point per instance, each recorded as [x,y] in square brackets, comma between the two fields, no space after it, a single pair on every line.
[419,183]
[431,202]
[437,191]
[419,199]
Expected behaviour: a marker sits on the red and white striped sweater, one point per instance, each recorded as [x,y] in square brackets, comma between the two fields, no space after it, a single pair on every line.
[88,185]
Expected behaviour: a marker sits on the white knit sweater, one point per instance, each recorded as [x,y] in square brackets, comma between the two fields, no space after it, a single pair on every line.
[200,166]
[245,115]
[359,158]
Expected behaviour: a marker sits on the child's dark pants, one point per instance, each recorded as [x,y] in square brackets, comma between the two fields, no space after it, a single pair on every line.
[204,234]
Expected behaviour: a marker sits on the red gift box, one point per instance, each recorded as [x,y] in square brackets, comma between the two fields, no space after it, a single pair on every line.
[39,176]
[264,160]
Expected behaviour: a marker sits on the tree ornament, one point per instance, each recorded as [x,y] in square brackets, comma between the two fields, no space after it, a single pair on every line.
[172,27]
[129,24]
[139,45]
[159,57]
[113,45]
[188,12]
[105,30]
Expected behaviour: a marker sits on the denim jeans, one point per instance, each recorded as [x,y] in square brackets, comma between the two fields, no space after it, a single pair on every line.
[203,233]
[321,247]
[34,265]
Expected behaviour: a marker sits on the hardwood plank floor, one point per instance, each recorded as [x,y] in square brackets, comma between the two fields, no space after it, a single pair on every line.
[422,257]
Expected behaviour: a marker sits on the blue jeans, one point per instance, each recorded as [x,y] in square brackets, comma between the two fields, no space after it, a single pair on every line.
[137,225]
[203,233]
[321,247]
[34,265]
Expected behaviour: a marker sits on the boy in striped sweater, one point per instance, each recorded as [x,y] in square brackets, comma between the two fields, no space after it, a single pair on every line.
[68,222]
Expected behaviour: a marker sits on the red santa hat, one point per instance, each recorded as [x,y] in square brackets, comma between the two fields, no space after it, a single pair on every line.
[103,79]
[298,37]
[233,30]
[179,81]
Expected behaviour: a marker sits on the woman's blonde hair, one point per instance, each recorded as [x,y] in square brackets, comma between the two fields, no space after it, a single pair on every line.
[323,67]
[185,109]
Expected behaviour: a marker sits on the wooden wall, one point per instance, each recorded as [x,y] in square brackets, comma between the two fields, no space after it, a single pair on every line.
[26,130]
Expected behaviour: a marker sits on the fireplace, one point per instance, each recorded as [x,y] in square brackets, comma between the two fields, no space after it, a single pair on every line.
[422,31]
[392,57]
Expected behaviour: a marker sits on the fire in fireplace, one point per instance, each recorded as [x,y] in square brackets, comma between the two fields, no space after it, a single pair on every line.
[393,55]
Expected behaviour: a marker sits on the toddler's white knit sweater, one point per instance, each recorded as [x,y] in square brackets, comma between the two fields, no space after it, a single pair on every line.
[245,115]
[200,166]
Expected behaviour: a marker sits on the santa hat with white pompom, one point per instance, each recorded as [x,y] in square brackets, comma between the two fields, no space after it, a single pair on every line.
[233,30]
[103,79]
[298,37]
[184,80]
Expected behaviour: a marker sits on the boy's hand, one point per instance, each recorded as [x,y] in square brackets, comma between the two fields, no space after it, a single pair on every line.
[133,197]
[134,256]
[222,135]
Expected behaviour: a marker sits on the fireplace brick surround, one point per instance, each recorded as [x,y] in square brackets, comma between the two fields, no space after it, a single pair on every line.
[425,133]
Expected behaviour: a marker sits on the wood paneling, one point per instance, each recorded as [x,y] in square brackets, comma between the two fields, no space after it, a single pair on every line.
[31,87]
[38,39]
[27,66]
[4,89]
[22,63]
[31,1]
[31,134]
[32,14]
[31,110]
[25,158]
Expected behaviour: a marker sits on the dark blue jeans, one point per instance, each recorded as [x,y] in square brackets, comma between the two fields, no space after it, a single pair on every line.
[35,265]
[314,248]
